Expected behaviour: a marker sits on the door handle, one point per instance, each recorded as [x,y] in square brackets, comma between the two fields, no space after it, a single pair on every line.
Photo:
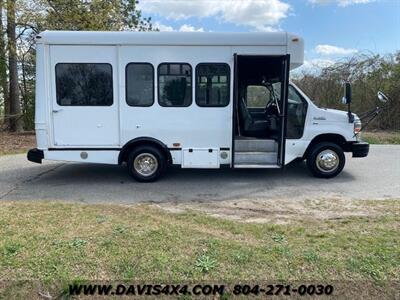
[56,110]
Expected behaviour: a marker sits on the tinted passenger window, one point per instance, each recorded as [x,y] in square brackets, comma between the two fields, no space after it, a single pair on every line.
[212,84]
[297,112]
[174,84]
[80,84]
[139,84]
[257,96]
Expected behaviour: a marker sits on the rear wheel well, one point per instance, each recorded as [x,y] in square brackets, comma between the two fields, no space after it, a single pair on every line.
[124,153]
[329,137]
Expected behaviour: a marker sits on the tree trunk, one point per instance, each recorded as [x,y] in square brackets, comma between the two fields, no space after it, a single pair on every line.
[16,121]
[3,67]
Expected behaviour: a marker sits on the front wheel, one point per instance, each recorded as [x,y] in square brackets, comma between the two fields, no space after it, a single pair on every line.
[146,163]
[326,160]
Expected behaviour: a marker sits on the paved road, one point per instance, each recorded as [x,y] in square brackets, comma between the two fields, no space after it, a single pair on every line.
[374,177]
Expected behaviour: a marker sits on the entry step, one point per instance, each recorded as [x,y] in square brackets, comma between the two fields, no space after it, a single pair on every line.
[255,145]
[251,158]
[256,166]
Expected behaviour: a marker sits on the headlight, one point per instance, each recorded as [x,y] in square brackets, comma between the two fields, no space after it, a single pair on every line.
[357,126]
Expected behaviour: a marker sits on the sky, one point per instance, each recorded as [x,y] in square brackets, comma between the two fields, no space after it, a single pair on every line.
[332,29]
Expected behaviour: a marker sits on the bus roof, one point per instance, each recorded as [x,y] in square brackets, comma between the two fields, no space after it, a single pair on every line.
[167,38]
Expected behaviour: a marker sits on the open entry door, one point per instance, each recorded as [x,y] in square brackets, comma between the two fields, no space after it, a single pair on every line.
[260,110]
[284,102]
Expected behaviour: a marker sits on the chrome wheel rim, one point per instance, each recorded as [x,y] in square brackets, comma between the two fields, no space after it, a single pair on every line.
[327,161]
[145,164]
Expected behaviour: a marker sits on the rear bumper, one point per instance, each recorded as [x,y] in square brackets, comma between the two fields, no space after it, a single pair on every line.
[35,155]
[359,149]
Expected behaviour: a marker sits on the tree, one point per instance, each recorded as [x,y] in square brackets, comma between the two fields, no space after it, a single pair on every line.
[368,74]
[25,19]
[104,15]
[3,66]
[16,121]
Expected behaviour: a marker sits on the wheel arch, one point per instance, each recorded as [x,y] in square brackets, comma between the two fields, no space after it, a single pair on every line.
[140,141]
[327,137]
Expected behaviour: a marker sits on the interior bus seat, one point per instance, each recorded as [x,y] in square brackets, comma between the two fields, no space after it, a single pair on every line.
[249,126]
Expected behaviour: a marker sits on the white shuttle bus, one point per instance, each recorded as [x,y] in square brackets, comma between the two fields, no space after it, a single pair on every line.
[196,100]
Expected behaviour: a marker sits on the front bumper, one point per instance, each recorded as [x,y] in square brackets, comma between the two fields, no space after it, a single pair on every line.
[359,149]
[35,155]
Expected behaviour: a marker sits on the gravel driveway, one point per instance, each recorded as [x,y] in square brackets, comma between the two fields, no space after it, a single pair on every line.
[374,177]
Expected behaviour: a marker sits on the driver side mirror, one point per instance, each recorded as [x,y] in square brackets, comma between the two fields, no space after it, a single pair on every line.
[347,93]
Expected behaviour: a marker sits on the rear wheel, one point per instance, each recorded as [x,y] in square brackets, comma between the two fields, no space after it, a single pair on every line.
[146,163]
[326,160]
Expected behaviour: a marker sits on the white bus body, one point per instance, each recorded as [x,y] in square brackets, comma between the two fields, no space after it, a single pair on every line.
[188,99]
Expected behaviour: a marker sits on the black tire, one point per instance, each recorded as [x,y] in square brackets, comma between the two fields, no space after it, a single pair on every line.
[151,153]
[329,149]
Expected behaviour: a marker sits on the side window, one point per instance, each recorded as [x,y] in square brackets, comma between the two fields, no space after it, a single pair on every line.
[212,84]
[296,114]
[257,96]
[84,84]
[139,84]
[174,84]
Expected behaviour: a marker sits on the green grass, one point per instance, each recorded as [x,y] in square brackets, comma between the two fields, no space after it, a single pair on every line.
[382,137]
[63,243]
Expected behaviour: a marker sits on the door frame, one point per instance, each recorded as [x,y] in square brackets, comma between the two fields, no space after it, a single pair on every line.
[234,107]
[284,106]
[284,96]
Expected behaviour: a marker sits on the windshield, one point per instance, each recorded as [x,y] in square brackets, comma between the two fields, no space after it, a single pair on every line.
[277,89]
[294,95]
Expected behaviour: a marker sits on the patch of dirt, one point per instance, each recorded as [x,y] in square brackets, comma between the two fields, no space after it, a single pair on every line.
[279,211]
[16,142]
